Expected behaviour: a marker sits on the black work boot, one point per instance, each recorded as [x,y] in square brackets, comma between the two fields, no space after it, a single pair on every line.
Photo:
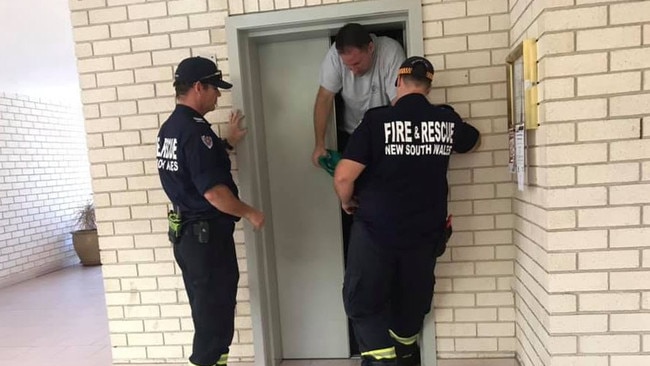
[407,355]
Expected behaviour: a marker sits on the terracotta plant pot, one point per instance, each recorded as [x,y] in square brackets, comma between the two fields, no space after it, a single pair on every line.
[86,245]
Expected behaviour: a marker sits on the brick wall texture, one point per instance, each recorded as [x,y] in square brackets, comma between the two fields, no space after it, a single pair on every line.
[554,275]
[43,180]
[581,225]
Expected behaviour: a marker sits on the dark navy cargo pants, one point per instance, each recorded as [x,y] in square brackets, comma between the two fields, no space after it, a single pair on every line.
[386,289]
[210,274]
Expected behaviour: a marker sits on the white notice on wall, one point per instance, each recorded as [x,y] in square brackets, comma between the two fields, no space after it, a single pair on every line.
[520,134]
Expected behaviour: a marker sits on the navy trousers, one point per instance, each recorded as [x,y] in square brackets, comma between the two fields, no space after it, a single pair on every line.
[210,274]
[386,288]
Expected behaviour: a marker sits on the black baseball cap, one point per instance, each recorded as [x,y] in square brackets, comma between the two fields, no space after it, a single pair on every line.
[418,67]
[201,69]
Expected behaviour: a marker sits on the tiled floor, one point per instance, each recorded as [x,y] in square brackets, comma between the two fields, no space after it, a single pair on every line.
[58,320]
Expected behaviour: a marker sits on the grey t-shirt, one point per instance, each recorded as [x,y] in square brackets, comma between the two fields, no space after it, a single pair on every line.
[373,89]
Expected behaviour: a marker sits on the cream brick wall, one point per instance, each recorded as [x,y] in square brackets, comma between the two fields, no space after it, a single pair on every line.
[580,229]
[127,93]
[43,180]
[473,304]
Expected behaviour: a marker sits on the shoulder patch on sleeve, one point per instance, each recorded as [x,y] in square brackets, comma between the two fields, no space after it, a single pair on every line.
[207,141]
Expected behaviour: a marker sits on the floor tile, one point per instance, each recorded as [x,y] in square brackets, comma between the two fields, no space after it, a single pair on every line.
[60,320]
[56,319]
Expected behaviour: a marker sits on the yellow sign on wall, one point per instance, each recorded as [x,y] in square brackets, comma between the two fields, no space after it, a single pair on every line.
[522,85]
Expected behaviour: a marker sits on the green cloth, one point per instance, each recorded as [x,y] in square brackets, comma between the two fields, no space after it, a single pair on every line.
[329,161]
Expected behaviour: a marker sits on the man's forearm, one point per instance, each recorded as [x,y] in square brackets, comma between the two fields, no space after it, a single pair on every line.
[344,189]
[322,112]
[221,197]
[346,173]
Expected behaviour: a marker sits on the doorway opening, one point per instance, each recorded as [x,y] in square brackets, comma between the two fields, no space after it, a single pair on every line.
[395,31]
[296,263]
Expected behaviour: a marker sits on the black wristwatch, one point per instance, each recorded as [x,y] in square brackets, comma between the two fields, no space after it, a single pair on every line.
[227,145]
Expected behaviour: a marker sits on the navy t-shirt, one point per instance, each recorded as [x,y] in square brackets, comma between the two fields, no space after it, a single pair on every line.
[402,191]
[192,159]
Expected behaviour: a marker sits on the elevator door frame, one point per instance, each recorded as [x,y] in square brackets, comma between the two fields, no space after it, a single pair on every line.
[244,32]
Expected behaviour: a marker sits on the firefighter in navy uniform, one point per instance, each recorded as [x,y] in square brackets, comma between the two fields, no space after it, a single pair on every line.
[194,169]
[393,178]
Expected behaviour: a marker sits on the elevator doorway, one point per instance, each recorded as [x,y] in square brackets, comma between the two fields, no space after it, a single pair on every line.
[296,263]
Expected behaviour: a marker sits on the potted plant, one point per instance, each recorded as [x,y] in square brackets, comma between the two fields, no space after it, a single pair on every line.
[85,240]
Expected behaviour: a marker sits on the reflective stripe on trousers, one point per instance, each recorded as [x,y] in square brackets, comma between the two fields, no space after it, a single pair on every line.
[380,354]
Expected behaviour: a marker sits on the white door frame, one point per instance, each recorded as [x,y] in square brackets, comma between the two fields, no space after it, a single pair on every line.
[242,33]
